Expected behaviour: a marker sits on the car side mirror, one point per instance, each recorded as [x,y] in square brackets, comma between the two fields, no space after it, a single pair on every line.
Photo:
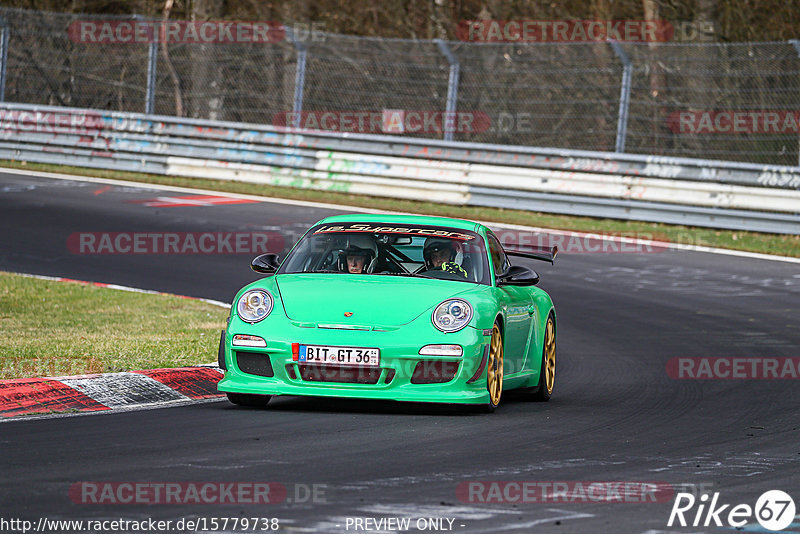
[265,263]
[517,275]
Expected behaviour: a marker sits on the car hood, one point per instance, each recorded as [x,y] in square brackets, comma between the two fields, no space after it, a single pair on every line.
[372,299]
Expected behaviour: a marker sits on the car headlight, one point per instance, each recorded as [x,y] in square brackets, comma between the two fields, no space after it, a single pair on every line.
[254,305]
[452,315]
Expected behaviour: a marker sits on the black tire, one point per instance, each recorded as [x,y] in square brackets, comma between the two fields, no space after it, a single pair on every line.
[243,399]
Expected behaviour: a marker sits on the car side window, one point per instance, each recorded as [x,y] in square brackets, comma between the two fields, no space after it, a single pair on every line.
[498,256]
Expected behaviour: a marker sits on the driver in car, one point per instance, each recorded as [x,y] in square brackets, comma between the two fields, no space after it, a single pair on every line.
[360,255]
[442,253]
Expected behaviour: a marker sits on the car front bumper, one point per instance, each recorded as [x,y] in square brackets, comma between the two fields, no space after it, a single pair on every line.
[275,371]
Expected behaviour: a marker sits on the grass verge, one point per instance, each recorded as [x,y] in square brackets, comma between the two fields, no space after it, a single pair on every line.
[65,328]
[782,245]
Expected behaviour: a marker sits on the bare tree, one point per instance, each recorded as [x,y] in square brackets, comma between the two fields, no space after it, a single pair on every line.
[657,80]
[207,98]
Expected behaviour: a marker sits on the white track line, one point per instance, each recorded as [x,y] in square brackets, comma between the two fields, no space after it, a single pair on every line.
[120,288]
[358,209]
[177,189]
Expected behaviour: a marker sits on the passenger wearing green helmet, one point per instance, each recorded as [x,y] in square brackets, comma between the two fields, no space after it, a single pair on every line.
[444,254]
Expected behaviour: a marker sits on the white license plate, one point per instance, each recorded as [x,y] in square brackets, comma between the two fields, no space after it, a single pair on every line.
[355,356]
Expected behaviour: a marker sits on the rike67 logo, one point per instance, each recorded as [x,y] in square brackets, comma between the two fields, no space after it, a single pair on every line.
[774,510]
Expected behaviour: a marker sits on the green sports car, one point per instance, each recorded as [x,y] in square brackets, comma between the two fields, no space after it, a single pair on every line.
[396,307]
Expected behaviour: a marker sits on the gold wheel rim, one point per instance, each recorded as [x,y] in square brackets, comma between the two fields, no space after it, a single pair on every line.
[550,356]
[495,370]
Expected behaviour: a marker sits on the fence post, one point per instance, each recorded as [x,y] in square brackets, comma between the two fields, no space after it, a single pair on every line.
[624,96]
[796,44]
[452,89]
[299,77]
[3,57]
[152,62]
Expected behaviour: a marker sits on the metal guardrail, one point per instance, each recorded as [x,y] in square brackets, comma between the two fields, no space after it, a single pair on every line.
[672,190]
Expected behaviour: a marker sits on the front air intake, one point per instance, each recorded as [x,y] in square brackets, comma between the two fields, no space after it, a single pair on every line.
[340,374]
[434,372]
[254,363]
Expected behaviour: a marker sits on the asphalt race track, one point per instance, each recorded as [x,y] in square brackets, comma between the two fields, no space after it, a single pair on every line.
[615,416]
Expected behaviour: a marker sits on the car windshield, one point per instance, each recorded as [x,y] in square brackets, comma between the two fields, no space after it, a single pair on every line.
[391,250]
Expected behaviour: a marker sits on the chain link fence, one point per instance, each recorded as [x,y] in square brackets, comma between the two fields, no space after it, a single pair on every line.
[732,101]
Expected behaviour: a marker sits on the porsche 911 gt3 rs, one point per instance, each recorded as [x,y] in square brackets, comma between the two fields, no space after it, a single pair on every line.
[399,307]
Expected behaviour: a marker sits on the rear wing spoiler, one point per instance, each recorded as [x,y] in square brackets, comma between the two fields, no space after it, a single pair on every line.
[535,253]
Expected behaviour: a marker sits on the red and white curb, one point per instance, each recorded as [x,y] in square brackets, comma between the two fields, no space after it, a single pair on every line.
[107,391]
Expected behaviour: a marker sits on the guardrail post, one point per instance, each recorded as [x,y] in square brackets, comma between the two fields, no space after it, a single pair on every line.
[624,96]
[299,77]
[3,57]
[452,89]
[796,44]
